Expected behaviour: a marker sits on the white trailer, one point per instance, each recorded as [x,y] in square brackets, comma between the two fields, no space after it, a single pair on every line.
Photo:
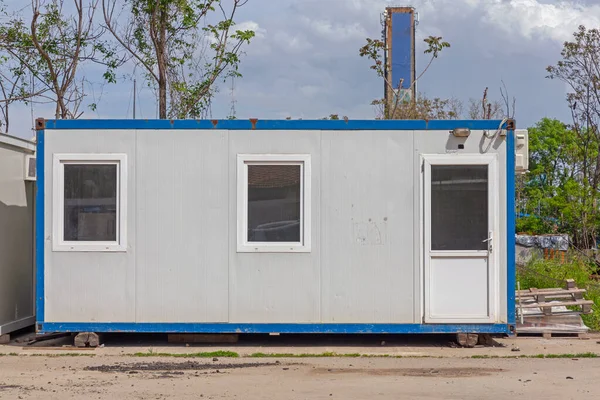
[276,226]
[17,172]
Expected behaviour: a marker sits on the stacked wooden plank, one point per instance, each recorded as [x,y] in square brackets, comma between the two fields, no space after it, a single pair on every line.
[552,311]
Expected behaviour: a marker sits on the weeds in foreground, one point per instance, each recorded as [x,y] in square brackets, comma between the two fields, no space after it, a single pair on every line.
[63,355]
[302,355]
[576,355]
[47,355]
[542,274]
[221,353]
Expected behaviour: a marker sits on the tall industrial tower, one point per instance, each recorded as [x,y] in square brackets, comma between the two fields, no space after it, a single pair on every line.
[400,65]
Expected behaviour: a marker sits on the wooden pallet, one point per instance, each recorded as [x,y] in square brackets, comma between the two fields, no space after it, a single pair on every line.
[558,315]
[546,299]
[553,334]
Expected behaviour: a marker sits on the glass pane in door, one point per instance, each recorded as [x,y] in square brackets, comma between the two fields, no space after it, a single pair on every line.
[459,207]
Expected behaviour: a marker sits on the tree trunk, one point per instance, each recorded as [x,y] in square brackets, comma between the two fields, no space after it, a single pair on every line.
[162,65]
[596,180]
[162,95]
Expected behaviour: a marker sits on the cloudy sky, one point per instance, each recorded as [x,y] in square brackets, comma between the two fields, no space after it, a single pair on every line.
[304,60]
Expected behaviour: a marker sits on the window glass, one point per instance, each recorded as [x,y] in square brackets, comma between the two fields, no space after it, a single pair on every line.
[274,205]
[459,207]
[90,202]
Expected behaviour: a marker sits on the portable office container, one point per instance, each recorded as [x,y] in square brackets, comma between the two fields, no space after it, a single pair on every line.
[275,226]
[17,171]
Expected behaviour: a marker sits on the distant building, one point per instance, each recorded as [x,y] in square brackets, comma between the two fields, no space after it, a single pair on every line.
[17,191]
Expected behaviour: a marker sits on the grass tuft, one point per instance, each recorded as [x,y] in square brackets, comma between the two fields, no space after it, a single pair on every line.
[318,355]
[577,355]
[221,353]
[62,355]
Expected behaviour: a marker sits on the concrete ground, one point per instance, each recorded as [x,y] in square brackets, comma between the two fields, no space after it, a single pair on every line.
[421,367]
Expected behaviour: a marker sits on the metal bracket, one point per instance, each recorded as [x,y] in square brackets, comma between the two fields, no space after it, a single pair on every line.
[40,124]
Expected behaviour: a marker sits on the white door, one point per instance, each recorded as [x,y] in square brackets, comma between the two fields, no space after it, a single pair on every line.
[459,216]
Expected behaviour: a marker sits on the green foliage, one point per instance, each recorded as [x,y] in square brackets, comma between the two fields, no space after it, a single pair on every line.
[557,191]
[57,355]
[402,106]
[576,355]
[184,46]
[579,68]
[327,354]
[423,107]
[336,117]
[593,320]
[49,44]
[573,160]
[550,274]
[374,49]
[220,353]
[435,45]
[566,355]
[533,225]
[541,273]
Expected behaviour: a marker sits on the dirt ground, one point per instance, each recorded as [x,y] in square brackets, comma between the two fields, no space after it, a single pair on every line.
[124,377]
[417,368]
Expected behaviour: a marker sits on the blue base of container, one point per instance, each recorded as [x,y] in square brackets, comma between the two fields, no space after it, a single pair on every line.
[48,327]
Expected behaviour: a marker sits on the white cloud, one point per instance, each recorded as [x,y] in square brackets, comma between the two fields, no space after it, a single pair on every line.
[336,32]
[519,18]
[259,32]
[532,18]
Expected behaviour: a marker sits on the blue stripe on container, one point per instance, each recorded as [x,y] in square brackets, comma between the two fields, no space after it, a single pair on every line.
[269,328]
[283,125]
[510,226]
[39,228]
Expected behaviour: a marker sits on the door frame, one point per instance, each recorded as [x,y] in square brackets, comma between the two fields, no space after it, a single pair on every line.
[491,160]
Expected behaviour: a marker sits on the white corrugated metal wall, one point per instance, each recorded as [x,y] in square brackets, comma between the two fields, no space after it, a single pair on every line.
[182,264]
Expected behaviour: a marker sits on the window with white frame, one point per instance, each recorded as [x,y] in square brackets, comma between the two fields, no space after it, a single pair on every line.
[273,203]
[90,202]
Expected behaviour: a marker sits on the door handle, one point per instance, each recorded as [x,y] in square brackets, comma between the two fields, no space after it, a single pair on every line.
[489,242]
